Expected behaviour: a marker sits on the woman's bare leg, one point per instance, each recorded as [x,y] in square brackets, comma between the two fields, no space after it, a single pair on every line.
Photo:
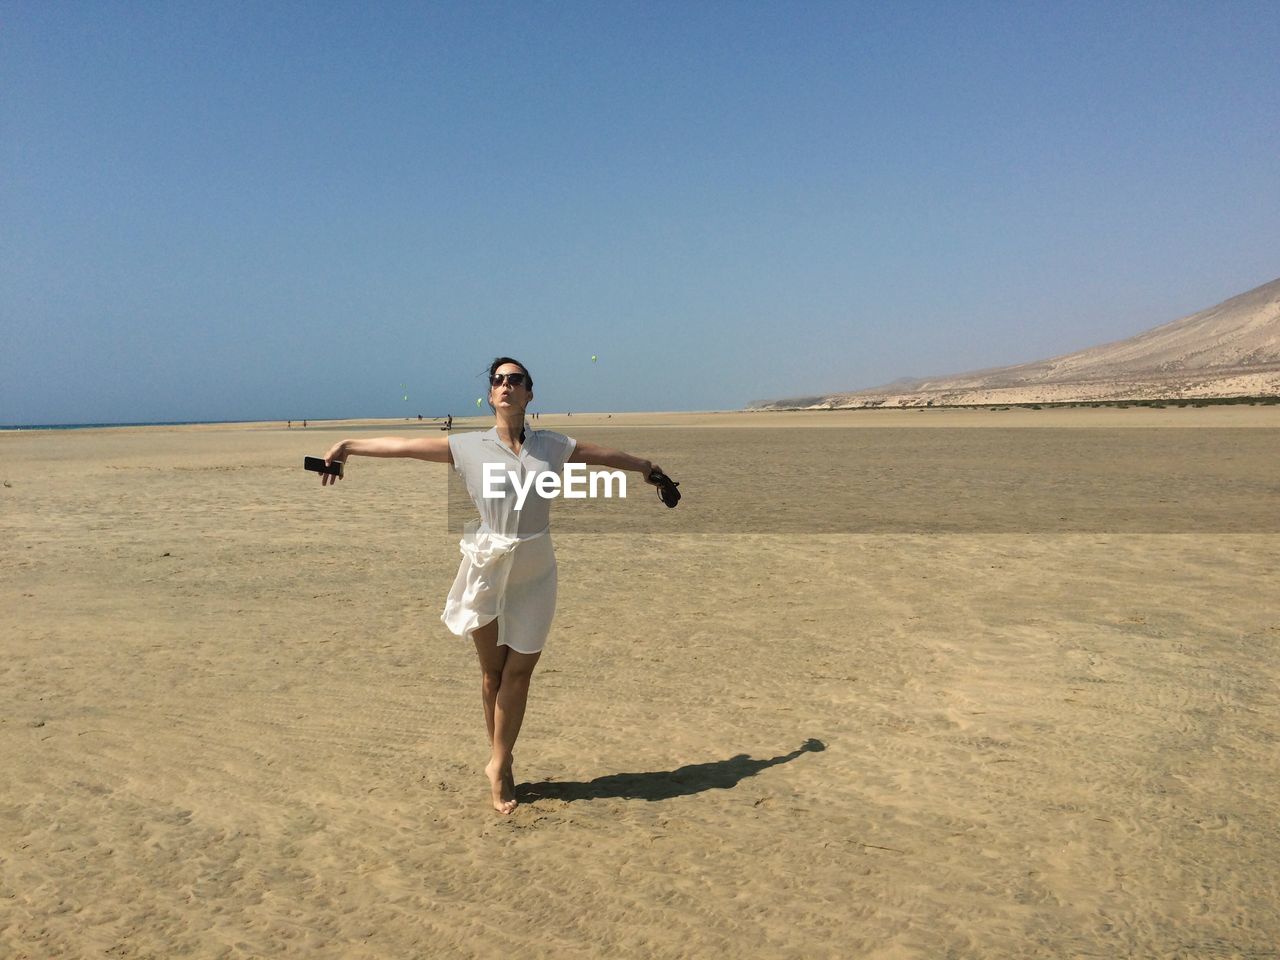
[505,676]
[508,715]
[492,659]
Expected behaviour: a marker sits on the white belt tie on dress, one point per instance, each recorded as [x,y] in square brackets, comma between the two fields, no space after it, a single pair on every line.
[484,547]
[478,594]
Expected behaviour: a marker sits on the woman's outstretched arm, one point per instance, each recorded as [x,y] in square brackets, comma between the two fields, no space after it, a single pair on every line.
[435,449]
[596,456]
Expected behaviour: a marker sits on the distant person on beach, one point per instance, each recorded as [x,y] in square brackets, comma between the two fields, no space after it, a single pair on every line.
[504,595]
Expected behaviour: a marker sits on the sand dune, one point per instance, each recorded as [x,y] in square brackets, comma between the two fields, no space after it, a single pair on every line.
[233,726]
[1229,350]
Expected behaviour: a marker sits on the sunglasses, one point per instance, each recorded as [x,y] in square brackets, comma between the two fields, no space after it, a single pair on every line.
[515,379]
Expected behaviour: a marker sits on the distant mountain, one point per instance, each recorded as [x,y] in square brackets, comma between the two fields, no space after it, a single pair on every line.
[1230,350]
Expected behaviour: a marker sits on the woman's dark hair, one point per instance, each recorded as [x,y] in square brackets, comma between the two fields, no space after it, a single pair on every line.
[499,361]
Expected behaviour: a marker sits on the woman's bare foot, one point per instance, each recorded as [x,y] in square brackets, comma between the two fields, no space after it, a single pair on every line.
[502,784]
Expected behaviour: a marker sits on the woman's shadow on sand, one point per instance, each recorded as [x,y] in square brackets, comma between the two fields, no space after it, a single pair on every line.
[661,785]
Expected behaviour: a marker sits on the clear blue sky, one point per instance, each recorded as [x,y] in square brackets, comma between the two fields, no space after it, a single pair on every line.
[268,210]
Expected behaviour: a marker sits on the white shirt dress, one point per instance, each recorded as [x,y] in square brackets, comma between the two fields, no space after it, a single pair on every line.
[508,569]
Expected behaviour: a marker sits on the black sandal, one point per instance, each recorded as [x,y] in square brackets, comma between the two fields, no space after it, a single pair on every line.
[667,491]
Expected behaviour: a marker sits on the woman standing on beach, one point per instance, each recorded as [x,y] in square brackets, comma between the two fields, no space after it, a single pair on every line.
[504,595]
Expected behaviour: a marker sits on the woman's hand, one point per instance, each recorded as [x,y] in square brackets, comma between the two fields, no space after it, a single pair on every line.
[649,471]
[338,453]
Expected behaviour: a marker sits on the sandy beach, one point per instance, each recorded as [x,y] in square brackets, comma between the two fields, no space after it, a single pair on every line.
[888,684]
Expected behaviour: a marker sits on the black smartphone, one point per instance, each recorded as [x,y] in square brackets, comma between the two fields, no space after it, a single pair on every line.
[317,464]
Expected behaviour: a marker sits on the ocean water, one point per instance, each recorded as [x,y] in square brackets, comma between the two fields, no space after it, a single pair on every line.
[93,426]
